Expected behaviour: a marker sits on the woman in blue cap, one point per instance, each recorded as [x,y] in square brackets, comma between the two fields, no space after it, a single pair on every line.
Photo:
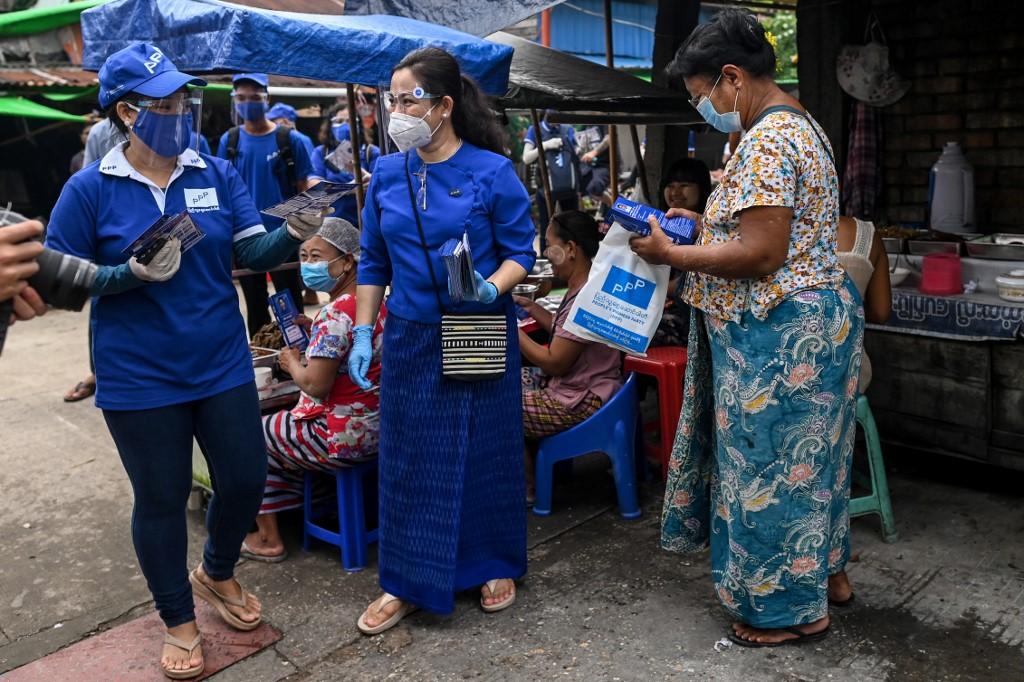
[451,471]
[172,358]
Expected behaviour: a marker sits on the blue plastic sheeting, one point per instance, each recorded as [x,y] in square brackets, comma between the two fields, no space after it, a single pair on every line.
[211,36]
[477,17]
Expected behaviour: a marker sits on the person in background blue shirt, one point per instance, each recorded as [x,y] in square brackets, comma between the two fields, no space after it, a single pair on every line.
[451,477]
[257,159]
[172,358]
[285,115]
[332,161]
[559,143]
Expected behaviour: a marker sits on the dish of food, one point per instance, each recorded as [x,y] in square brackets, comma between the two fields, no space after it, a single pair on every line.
[268,336]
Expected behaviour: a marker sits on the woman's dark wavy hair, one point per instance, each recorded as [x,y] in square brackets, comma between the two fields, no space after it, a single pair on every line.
[578,227]
[734,36]
[439,74]
[688,170]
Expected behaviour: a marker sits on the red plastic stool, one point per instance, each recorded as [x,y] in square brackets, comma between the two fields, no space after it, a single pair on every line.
[667,365]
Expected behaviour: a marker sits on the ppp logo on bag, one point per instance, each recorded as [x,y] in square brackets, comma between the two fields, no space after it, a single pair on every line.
[628,287]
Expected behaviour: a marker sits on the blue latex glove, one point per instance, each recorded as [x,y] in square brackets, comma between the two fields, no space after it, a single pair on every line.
[360,355]
[486,292]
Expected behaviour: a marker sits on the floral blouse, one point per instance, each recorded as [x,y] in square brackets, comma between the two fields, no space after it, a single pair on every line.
[781,161]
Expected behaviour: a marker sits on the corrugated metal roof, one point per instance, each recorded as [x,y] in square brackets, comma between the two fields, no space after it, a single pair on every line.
[577,26]
[70,77]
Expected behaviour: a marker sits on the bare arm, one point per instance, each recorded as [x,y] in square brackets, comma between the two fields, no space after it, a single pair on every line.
[316,378]
[537,312]
[878,297]
[555,360]
[507,276]
[368,298]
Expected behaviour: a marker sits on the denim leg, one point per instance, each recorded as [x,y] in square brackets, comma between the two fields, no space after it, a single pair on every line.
[230,432]
[156,450]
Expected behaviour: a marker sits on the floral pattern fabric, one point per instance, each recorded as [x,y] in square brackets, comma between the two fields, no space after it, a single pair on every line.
[353,415]
[781,161]
[760,468]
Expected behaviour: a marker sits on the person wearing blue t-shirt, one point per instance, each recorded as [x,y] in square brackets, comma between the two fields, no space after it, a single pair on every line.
[332,161]
[559,142]
[285,115]
[271,178]
[172,357]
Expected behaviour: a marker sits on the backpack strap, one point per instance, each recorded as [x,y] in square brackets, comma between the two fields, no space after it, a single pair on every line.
[232,150]
[285,155]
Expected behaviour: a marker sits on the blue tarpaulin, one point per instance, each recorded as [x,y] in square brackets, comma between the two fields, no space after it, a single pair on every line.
[211,36]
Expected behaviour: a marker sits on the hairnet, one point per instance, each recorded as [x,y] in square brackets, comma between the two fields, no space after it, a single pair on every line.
[341,234]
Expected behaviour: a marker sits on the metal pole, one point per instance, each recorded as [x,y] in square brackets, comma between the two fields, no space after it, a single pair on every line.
[641,167]
[542,163]
[357,143]
[613,150]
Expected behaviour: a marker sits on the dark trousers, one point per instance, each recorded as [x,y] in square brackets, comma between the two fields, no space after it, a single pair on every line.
[155,446]
[563,202]
[595,179]
[254,290]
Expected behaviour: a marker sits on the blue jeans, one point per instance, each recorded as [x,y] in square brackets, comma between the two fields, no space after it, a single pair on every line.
[156,449]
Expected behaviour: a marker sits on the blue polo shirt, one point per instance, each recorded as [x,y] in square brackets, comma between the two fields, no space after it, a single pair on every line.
[344,207]
[475,192]
[262,171]
[162,343]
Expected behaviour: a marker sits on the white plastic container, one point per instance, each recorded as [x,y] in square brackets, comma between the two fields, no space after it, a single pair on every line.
[951,191]
[1011,286]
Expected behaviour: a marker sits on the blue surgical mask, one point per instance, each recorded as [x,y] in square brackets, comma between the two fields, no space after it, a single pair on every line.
[251,111]
[166,134]
[317,277]
[727,123]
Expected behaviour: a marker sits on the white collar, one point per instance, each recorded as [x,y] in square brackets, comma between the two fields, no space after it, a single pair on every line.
[115,163]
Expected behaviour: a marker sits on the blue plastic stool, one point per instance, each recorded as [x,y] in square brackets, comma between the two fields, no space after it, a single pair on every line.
[878,501]
[611,430]
[352,536]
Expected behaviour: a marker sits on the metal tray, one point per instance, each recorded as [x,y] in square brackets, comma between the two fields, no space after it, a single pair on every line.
[997,247]
[923,247]
[894,244]
[268,358]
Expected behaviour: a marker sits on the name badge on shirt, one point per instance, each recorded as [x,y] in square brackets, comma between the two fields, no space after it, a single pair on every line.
[201,200]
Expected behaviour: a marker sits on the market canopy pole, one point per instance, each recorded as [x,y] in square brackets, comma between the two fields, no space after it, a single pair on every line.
[356,139]
[613,137]
[641,168]
[542,164]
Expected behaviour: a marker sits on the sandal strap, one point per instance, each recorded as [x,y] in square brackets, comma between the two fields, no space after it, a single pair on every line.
[241,602]
[384,600]
[492,584]
[182,644]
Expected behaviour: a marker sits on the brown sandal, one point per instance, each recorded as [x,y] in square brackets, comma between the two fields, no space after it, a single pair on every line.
[221,602]
[189,647]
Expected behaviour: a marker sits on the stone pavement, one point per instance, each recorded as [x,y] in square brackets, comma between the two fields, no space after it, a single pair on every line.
[601,602]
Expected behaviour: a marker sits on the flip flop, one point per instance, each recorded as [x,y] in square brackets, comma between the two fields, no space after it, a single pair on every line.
[247,553]
[404,610]
[801,638]
[843,604]
[221,602]
[81,391]
[504,603]
[189,647]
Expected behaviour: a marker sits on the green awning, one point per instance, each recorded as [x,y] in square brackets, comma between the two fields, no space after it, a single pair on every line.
[26,108]
[31,21]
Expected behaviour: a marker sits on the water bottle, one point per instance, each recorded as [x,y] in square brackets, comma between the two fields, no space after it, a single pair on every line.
[951,191]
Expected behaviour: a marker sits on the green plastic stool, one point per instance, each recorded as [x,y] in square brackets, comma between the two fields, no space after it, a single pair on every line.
[878,501]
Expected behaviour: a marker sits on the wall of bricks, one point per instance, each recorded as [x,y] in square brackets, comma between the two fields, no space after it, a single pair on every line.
[966,61]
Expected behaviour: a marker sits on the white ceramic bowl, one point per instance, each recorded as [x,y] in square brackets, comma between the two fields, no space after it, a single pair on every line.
[897,276]
[1011,286]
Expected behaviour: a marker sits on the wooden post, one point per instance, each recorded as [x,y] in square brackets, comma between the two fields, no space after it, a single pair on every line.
[542,163]
[640,166]
[613,141]
[357,143]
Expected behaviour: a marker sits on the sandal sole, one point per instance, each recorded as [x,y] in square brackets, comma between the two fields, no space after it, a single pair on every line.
[395,619]
[206,594]
[184,674]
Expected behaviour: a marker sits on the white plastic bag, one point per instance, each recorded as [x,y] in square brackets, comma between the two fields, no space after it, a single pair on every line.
[622,302]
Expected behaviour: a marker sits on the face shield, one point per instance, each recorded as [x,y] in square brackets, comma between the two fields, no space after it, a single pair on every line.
[249,106]
[168,126]
[403,117]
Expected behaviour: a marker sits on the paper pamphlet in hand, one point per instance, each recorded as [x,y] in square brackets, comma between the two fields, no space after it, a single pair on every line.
[286,314]
[179,226]
[458,260]
[313,201]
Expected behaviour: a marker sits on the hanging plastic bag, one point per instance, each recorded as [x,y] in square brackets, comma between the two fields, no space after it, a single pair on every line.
[622,302]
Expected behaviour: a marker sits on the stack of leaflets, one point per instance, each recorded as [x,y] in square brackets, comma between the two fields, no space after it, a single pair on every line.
[458,260]
[152,240]
[313,201]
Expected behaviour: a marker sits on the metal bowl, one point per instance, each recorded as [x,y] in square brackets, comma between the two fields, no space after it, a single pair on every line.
[525,290]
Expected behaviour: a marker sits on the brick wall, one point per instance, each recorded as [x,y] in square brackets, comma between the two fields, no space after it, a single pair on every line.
[966,61]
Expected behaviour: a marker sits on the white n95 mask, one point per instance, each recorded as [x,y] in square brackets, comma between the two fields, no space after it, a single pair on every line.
[410,132]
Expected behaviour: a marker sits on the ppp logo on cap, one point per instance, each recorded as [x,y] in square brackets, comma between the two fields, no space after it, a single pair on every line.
[628,287]
[153,60]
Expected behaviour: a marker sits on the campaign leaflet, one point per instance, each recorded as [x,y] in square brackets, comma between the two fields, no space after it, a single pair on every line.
[179,225]
[286,313]
[313,201]
[633,216]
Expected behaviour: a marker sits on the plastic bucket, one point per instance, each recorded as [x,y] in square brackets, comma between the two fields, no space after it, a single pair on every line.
[941,275]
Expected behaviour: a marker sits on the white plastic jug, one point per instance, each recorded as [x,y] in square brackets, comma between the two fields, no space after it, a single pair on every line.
[951,191]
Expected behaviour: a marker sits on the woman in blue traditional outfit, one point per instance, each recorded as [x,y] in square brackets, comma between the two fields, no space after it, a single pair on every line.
[451,472]
[761,463]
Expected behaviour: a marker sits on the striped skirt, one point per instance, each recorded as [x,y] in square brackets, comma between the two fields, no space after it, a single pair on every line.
[452,485]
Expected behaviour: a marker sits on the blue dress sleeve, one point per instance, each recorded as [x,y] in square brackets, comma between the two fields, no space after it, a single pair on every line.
[317,162]
[374,260]
[301,153]
[510,214]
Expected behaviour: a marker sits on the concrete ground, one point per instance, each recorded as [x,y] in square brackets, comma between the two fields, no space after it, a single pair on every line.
[601,601]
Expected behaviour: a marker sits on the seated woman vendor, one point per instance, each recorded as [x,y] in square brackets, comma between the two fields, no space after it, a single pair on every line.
[334,422]
[580,375]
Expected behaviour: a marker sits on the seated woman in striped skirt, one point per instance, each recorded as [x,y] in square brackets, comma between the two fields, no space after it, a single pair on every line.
[335,422]
[579,375]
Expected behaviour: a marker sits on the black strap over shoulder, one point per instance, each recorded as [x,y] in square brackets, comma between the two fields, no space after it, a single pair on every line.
[284,153]
[423,236]
[232,150]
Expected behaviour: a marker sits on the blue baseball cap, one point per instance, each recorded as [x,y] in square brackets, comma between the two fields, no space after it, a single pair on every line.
[143,69]
[257,78]
[281,110]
